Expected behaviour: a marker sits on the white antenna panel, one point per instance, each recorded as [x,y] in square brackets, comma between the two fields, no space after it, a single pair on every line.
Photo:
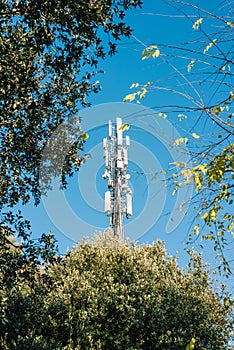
[108,208]
[119,154]
[125,156]
[120,164]
[107,160]
[129,203]
[119,132]
[119,137]
[105,153]
[118,123]
[127,141]
[110,129]
[111,221]
[105,143]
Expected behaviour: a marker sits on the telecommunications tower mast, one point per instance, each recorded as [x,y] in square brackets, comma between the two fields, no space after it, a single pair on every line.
[118,199]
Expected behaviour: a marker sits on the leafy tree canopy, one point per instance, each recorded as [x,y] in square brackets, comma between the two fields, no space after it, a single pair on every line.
[126,297]
[49,53]
[49,57]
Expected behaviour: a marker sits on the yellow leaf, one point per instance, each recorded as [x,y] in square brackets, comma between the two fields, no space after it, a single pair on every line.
[181,140]
[164,115]
[130,97]
[197,24]
[230,24]
[182,116]
[84,137]
[143,93]
[180,164]
[196,229]
[202,168]
[134,85]
[187,173]
[151,51]
[195,136]
[205,216]
[231,227]
[174,191]
[156,53]
[190,65]
[124,127]
[210,45]
[197,180]
[217,110]
[213,214]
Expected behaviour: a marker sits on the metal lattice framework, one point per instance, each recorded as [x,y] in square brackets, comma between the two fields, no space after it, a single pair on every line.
[118,198]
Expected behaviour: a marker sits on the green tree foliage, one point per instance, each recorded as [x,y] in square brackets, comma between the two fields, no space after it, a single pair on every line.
[200,74]
[127,297]
[23,281]
[49,55]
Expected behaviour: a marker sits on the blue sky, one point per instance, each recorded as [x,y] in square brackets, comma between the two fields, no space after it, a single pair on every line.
[78,211]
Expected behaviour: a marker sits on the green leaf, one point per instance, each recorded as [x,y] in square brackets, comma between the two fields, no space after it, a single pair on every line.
[191,345]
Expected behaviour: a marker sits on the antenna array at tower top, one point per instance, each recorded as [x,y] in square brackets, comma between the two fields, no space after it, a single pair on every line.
[118,198]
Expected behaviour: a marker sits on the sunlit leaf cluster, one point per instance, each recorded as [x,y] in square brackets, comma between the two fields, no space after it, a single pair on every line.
[198,78]
[215,210]
[138,95]
[119,296]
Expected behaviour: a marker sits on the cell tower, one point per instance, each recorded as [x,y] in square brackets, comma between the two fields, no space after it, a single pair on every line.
[118,199]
